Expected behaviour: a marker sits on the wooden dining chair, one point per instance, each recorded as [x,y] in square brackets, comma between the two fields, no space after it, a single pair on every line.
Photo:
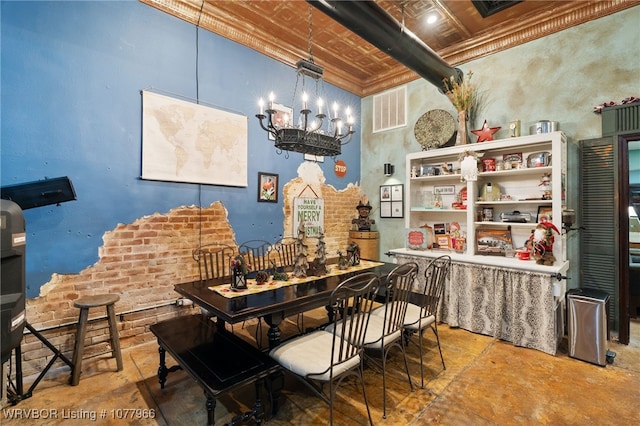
[322,358]
[422,314]
[214,260]
[386,325]
[286,250]
[257,254]
[214,263]
[286,259]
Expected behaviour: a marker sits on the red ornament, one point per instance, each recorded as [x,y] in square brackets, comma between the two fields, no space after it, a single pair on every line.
[486,133]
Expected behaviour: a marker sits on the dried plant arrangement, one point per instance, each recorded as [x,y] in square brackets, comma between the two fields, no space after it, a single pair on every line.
[467,100]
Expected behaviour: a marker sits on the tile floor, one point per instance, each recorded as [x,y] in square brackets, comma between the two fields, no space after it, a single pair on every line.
[487,382]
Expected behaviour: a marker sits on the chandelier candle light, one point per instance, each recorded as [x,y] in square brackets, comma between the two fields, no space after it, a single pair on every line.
[307,136]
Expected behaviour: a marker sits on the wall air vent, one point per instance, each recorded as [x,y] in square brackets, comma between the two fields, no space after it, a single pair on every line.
[390,109]
[621,119]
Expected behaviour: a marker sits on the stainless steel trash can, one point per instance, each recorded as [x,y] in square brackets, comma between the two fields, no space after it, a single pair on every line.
[588,328]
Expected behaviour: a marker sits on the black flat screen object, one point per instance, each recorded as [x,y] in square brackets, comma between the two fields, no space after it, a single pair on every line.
[39,193]
[12,277]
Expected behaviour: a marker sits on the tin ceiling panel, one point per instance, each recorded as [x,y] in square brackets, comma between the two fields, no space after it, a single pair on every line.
[280,30]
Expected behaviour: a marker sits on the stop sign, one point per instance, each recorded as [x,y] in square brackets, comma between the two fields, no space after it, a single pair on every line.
[340,168]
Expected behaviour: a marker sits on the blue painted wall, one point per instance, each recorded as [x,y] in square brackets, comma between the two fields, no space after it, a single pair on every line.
[71,78]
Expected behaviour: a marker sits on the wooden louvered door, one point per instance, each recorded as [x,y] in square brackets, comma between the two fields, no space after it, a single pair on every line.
[599,217]
[622,124]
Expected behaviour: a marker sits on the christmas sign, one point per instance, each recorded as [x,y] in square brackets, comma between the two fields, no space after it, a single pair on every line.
[309,211]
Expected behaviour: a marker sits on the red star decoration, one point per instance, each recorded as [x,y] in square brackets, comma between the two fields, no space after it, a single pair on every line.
[486,133]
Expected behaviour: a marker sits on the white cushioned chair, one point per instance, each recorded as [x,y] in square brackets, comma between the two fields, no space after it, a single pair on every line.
[320,357]
[386,324]
[422,312]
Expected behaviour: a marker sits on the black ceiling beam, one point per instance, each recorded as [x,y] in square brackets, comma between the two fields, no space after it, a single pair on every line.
[375,25]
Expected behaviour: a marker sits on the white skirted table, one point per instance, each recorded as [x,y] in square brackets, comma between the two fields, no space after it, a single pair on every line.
[517,301]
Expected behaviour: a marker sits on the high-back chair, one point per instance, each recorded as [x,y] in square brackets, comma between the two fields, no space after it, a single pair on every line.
[256,254]
[286,259]
[422,313]
[326,358]
[386,325]
[286,250]
[214,260]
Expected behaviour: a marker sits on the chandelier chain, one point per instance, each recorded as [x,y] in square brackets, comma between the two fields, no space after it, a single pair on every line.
[310,33]
[322,133]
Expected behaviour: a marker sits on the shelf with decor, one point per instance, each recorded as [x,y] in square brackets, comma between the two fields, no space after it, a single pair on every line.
[527,225]
[517,172]
[435,210]
[532,186]
[521,202]
[522,177]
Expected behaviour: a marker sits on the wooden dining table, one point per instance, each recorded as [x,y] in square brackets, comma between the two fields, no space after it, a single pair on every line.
[272,305]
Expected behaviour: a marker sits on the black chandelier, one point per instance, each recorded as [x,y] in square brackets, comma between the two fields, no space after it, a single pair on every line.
[308,135]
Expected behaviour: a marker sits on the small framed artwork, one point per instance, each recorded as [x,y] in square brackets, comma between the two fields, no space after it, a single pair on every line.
[426,170]
[397,192]
[514,157]
[281,118]
[391,201]
[385,193]
[267,187]
[493,241]
[385,209]
[544,214]
[443,241]
[444,189]
[397,209]
[417,239]
[439,228]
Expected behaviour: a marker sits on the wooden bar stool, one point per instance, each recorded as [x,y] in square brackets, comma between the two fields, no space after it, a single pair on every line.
[85,303]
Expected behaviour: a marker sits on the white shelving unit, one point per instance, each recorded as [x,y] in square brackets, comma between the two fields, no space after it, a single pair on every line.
[521,186]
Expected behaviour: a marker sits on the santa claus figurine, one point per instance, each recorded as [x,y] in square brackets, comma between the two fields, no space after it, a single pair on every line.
[542,243]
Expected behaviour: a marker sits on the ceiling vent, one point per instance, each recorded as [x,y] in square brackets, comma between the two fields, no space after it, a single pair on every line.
[488,8]
[390,109]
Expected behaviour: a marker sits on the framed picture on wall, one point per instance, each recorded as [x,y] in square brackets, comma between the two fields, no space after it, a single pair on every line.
[391,201]
[267,187]
[397,192]
[385,209]
[397,209]
[385,193]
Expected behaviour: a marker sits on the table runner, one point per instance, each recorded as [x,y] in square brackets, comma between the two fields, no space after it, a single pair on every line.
[253,287]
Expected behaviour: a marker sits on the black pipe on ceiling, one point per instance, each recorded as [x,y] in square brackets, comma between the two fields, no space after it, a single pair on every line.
[375,25]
